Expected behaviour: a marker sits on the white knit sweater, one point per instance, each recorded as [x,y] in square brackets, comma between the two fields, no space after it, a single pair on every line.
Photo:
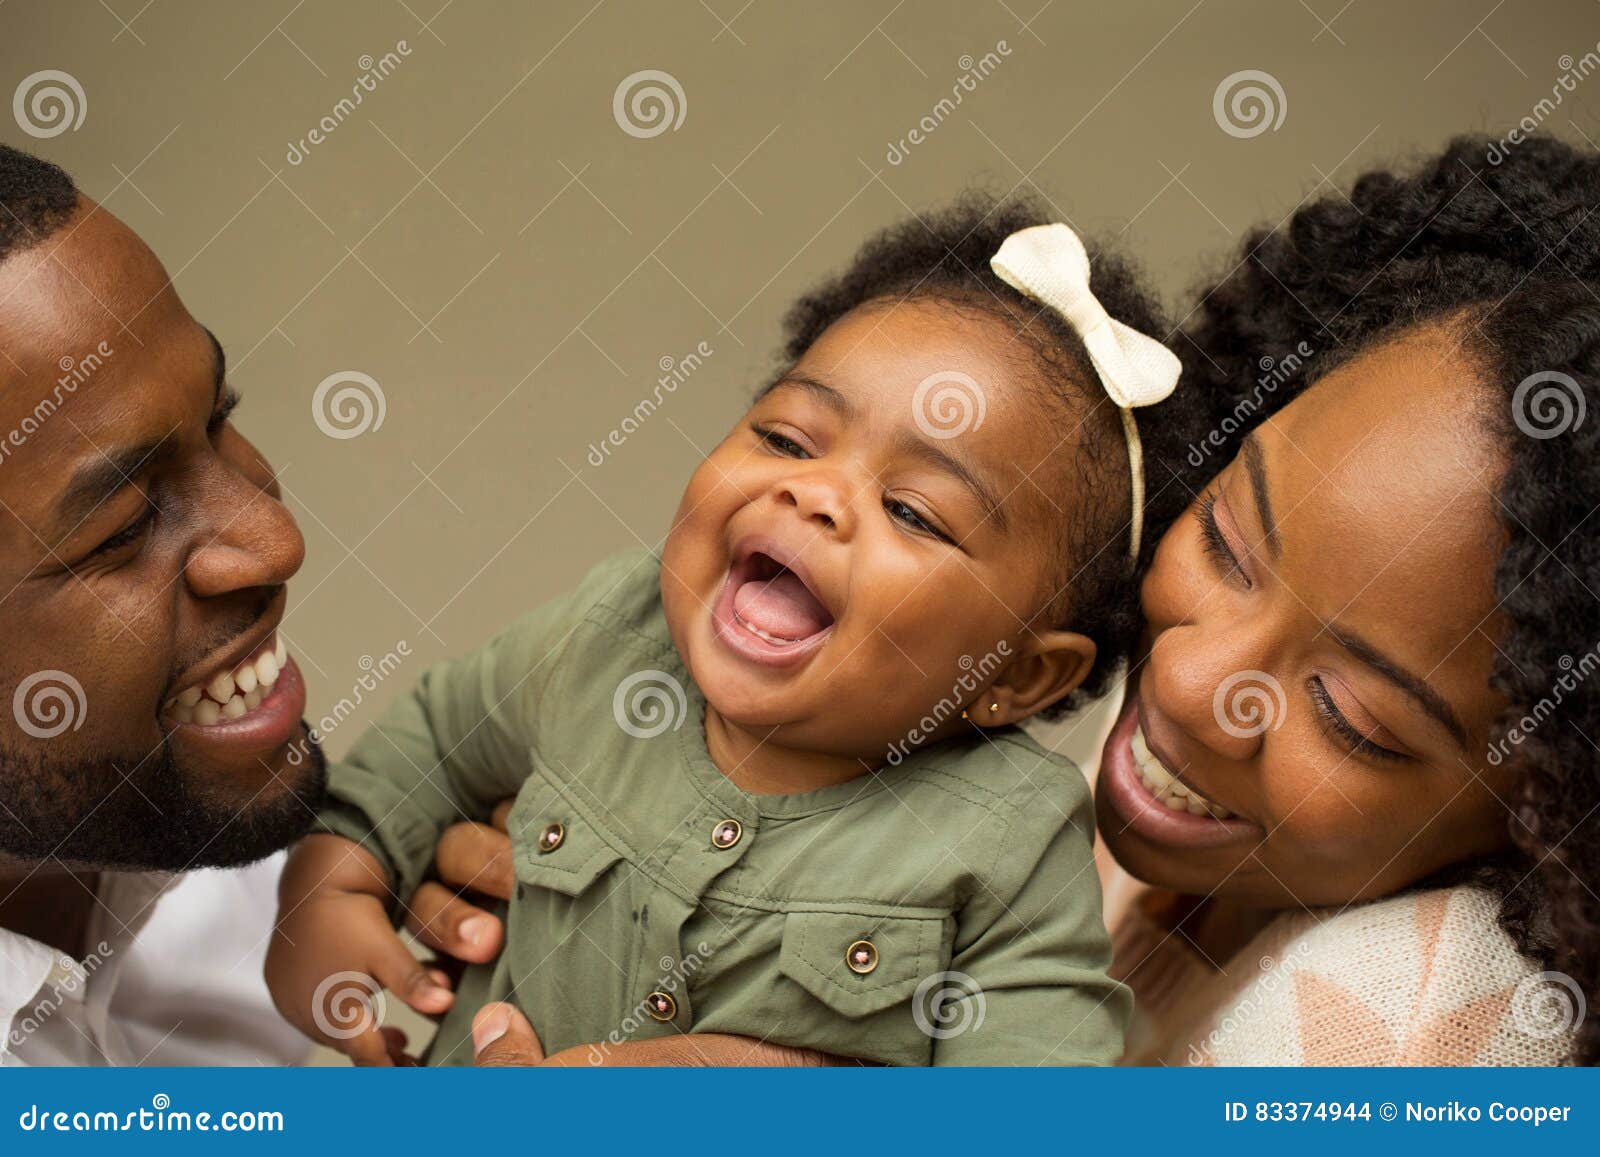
[1426,978]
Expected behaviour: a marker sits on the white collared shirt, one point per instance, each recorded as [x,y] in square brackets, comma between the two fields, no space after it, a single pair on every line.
[170,975]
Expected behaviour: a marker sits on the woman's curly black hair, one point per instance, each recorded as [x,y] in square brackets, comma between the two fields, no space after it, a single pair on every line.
[944,256]
[1508,253]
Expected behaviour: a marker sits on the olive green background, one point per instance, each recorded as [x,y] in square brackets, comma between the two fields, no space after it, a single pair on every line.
[482,237]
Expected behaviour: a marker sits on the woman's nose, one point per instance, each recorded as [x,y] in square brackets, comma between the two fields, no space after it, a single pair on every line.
[821,496]
[1216,685]
[254,544]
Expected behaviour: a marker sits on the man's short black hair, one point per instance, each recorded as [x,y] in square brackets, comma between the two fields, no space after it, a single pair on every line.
[36,198]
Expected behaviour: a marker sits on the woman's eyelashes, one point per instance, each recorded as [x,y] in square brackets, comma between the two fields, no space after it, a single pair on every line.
[1340,728]
[1216,543]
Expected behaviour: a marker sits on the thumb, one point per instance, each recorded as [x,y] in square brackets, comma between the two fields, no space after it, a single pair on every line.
[503,1038]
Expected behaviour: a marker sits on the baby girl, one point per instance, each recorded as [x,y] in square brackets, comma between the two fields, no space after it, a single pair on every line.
[769,780]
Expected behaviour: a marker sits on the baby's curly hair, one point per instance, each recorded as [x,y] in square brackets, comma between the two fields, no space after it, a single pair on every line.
[1507,253]
[944,256]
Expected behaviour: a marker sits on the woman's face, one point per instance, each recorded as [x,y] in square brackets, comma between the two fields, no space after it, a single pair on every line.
[1321,628]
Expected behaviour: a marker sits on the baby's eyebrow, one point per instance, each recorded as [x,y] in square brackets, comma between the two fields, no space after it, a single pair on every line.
[942,460]
[823,393]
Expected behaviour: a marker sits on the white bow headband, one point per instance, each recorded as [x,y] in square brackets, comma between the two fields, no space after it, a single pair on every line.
[1048,264]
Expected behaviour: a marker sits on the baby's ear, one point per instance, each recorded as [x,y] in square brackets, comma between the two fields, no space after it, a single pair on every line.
[1048,666]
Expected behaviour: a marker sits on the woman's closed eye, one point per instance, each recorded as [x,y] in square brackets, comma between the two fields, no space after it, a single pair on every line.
[1216,543]
[1341,729]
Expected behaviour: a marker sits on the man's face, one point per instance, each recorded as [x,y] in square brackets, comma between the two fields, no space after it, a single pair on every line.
[143,554]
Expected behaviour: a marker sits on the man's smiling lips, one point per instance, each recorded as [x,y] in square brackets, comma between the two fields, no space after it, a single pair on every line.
[251,699]
[767,611]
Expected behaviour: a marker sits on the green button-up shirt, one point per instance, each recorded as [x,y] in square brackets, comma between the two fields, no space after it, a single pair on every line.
[944,911]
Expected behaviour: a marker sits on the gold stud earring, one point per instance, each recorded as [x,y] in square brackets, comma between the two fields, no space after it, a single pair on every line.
[994,707]
[965,716]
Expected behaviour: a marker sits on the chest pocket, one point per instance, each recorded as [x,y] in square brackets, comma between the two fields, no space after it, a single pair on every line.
[555,845]
[867,972]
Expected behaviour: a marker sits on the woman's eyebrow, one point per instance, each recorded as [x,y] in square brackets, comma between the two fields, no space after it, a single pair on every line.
[1255,466]
[1418,688]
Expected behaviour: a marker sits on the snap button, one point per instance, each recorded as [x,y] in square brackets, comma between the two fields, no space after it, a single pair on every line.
[661,1006]
[862,957]
[726,834]
[550,839]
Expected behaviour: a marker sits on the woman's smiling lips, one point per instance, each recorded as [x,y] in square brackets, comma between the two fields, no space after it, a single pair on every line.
[1125,788]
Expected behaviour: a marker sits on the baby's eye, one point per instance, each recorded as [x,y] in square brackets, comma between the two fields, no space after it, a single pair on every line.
[775,441]
[902,513]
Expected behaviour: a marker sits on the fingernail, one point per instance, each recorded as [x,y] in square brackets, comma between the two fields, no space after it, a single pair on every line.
[477,929]
[490,1026]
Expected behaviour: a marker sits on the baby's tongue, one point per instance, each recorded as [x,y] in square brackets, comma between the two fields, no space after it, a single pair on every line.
[781,607]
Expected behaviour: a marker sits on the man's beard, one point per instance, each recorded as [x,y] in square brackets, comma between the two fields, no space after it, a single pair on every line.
[148,814]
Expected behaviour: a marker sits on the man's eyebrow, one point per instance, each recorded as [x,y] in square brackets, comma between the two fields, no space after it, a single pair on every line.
[1255,466]
[1418,688]
[823,393]
[945,462]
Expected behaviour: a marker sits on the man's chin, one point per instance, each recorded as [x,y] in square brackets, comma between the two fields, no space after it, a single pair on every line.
[161,814]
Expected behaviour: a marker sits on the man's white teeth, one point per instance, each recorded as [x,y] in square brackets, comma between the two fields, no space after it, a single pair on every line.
[1162,784]
[232,693]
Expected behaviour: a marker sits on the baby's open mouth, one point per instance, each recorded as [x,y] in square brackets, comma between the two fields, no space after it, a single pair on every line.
[773,603]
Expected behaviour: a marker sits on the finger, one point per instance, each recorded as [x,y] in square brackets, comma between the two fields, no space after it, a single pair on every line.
[503,1038]
[405,976]
[502,815]
[478,857]
[367,1049]
[447,923]
[395,1040]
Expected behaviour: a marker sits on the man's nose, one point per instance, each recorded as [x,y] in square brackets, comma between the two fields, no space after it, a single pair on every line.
[822,496]
[1217,685]
[254,544]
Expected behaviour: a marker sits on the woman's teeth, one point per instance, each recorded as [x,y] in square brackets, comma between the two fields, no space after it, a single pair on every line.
[232,693]
[1165,787]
